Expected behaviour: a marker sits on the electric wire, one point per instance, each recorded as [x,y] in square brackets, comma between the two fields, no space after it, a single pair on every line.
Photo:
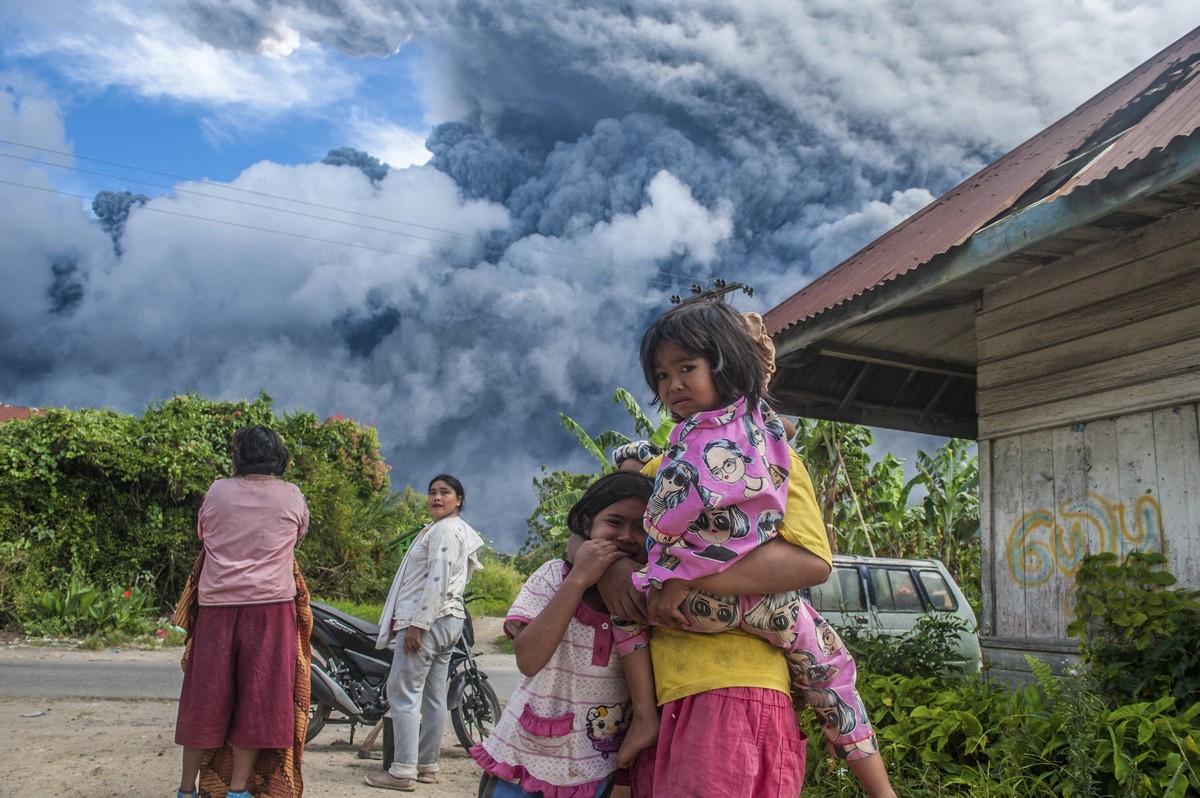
[555,279]
[503,246]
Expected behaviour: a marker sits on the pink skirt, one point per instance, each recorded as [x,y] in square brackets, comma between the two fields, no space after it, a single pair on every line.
[726,743]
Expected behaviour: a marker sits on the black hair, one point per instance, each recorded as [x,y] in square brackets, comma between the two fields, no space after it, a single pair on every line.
[455,485]
[608,489]
[259,450]
[716,332]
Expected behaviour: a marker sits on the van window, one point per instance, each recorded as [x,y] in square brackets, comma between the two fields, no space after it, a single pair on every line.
[895,590]
[843,591]
[940,594]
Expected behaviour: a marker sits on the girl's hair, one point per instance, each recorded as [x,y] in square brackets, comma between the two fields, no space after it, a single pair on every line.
[608,489]
[456,485]
[716,332]
[258,450]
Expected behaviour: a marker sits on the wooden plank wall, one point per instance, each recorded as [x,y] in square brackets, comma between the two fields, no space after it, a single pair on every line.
[1089,378]
[1112,329]
[1113,485]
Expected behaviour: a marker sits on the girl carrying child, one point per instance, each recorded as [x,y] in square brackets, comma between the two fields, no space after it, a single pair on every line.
[721,492]
[561,729]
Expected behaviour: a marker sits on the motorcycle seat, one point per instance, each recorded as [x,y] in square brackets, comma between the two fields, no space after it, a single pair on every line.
[369,629]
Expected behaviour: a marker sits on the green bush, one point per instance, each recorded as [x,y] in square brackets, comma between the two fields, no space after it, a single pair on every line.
[1093,732]
[495,586]
[1141,641]
[110,499]
[929,647]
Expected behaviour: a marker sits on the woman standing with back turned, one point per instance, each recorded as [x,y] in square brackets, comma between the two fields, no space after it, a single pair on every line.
[424,609]
[239,680]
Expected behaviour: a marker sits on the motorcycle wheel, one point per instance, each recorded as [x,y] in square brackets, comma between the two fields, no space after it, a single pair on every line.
[318,713]
[477,710]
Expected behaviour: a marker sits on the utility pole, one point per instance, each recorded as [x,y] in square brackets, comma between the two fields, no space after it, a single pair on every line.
[718,292]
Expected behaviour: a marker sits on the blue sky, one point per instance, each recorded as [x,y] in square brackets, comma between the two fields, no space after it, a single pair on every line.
[557,171]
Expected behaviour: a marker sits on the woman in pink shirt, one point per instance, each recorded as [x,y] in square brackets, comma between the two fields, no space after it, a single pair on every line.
[238,686]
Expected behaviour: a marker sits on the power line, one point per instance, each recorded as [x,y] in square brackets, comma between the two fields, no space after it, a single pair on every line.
[301,214]
[317,239]
[503,247]
[717,292]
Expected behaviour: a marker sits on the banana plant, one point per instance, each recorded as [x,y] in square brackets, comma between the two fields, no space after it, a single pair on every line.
[837,461]
[559,490]
[951,477]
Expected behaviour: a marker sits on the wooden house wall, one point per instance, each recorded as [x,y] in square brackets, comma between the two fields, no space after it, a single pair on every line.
[1052,496]
[1112,329]
[1089,378]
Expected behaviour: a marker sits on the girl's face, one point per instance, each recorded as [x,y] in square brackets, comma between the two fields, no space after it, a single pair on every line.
[724,465]
[443,502]
[685,383]
[621,522]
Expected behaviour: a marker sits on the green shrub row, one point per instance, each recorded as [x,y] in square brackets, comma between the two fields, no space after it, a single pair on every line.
[1125,722]
[1055,738]
[106,501]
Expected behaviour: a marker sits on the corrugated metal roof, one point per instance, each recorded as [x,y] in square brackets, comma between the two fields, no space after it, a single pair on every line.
[12,412]
[1142,112]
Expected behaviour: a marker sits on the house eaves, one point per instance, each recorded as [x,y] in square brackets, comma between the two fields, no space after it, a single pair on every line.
[1112,140]
[1036,223]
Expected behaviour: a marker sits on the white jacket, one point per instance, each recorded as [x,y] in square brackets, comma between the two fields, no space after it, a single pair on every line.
[432,577]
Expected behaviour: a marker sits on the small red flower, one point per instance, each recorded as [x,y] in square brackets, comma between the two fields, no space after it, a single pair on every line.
[161,633]
[127,594]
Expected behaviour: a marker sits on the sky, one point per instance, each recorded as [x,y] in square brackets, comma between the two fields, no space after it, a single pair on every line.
[453,219]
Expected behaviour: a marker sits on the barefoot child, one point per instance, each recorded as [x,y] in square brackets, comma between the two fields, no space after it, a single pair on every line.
[720,493]
[560,731]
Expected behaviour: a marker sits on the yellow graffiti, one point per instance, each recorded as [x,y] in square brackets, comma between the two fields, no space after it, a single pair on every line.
[1044,543]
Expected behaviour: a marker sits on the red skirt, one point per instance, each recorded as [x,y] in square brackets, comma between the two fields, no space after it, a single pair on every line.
[239,684]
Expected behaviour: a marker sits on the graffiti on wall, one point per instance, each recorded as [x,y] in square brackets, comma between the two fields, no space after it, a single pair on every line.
[1045,543]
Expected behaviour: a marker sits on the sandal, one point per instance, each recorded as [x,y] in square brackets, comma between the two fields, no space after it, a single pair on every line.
[182,794]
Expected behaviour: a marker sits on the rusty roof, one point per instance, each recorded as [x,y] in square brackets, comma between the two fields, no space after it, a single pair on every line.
[1140,113]
[13,412]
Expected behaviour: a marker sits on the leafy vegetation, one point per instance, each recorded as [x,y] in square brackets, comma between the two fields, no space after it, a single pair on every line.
[557,491]
[83,609]
[869,505]
[1098,731]
[1141,640]
[931,646]
[104,501]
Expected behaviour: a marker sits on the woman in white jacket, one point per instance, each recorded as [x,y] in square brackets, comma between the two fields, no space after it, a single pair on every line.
[424,610]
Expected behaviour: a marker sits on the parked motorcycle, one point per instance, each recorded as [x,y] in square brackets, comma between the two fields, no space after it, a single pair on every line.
[349,677]
[474,705]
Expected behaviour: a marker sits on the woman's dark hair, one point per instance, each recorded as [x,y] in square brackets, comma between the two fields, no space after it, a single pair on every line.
[609,489]
[715,331]
[259,450]
[455,485]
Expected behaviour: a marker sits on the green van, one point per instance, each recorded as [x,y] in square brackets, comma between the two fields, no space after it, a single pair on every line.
[892,594]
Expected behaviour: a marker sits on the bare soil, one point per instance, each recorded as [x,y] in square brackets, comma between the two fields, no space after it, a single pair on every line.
[71,747]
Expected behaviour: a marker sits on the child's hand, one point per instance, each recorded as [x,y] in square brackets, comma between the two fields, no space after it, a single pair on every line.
[593,559]
[663,605]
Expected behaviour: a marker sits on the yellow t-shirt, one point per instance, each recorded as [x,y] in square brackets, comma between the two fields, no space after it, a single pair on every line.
[687,663]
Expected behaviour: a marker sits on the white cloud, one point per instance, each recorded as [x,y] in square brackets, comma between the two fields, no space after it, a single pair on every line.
[391,143]
[142,46]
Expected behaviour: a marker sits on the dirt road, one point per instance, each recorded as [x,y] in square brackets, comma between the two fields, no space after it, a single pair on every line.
[88,748]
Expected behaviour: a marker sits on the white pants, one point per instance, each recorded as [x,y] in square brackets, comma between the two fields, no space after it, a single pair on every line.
[416,691]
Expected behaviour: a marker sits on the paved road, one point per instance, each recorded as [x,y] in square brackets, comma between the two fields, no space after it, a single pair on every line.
[37,672]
